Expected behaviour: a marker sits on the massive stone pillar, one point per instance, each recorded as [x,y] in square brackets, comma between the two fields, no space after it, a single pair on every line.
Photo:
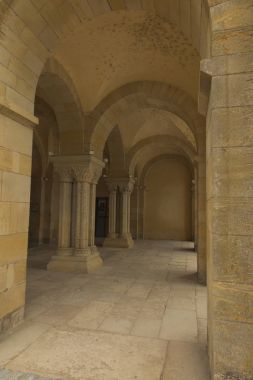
[85,257]
[112,235]
[16,131]
[201,219]
[230,192]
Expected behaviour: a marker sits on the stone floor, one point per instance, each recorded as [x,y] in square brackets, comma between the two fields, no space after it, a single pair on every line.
[142,316]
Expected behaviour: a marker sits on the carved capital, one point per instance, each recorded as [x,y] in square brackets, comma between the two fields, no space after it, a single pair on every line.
[81,173]
[64,173]
[96,171]
[111,184]
[83,168]
[126,185]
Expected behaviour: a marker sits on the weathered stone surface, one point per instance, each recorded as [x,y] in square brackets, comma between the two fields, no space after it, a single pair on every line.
[235,119]
[11,320]
[239,87]
[232,350]
[6,374]
[185,361]
[231,216]
[232,42]
[231,14]
[232,172]
[126,301]
[237,265]
[232,302]
[94,51]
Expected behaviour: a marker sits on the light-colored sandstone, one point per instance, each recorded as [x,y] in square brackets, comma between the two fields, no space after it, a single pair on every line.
[114,87]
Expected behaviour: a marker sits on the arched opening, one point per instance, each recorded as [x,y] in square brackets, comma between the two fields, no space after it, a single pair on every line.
[137,65]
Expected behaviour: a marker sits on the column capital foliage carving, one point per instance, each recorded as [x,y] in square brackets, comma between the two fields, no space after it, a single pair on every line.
[64,173]
[87,172]
[126,185]
[83,168]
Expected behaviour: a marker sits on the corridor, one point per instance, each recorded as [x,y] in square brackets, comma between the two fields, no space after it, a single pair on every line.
[142,316]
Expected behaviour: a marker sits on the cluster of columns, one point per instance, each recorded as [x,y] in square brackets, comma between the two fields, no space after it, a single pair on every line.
[78,177]
[120,190]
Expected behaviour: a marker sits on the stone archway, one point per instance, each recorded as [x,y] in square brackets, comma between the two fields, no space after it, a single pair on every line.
[30,33]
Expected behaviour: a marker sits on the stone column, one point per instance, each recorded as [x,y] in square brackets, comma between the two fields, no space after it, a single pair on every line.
[112,235]
[230,194]
[82,212]
[126,188]
[85,258]
[64,228]
[73,217]
[92,214]
[64,249]
[87,175]
[96,171]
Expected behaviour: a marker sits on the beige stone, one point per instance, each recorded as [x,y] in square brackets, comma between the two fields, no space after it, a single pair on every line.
[12,299]
[15,187]
[75,264]
[114,86]
[13,247]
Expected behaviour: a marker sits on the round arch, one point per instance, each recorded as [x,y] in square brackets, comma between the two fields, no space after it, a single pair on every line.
[184,160]
[31,33]
[168,143]
[141,95]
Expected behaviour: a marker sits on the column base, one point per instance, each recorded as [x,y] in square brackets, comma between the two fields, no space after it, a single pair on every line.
[81,262]
[119,242]
[65,251]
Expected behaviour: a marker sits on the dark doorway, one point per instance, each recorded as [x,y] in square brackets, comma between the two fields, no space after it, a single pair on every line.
[101,217]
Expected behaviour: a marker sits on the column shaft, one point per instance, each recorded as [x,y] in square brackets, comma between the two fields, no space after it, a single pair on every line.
[92,214]
[125,214]
[64,229]
[112,213]
[84,215]
[78,186]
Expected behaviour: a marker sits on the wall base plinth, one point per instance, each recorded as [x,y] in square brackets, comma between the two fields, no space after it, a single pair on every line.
[233,376]
[119,242]
[82,262]
[11,320]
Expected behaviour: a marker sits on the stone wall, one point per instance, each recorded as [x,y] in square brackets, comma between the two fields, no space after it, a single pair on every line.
[230,191]
[167,210]
[15,168]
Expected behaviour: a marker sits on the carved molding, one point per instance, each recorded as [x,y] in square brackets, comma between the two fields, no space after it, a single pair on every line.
[123,184]
[85,168]
[64,173]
